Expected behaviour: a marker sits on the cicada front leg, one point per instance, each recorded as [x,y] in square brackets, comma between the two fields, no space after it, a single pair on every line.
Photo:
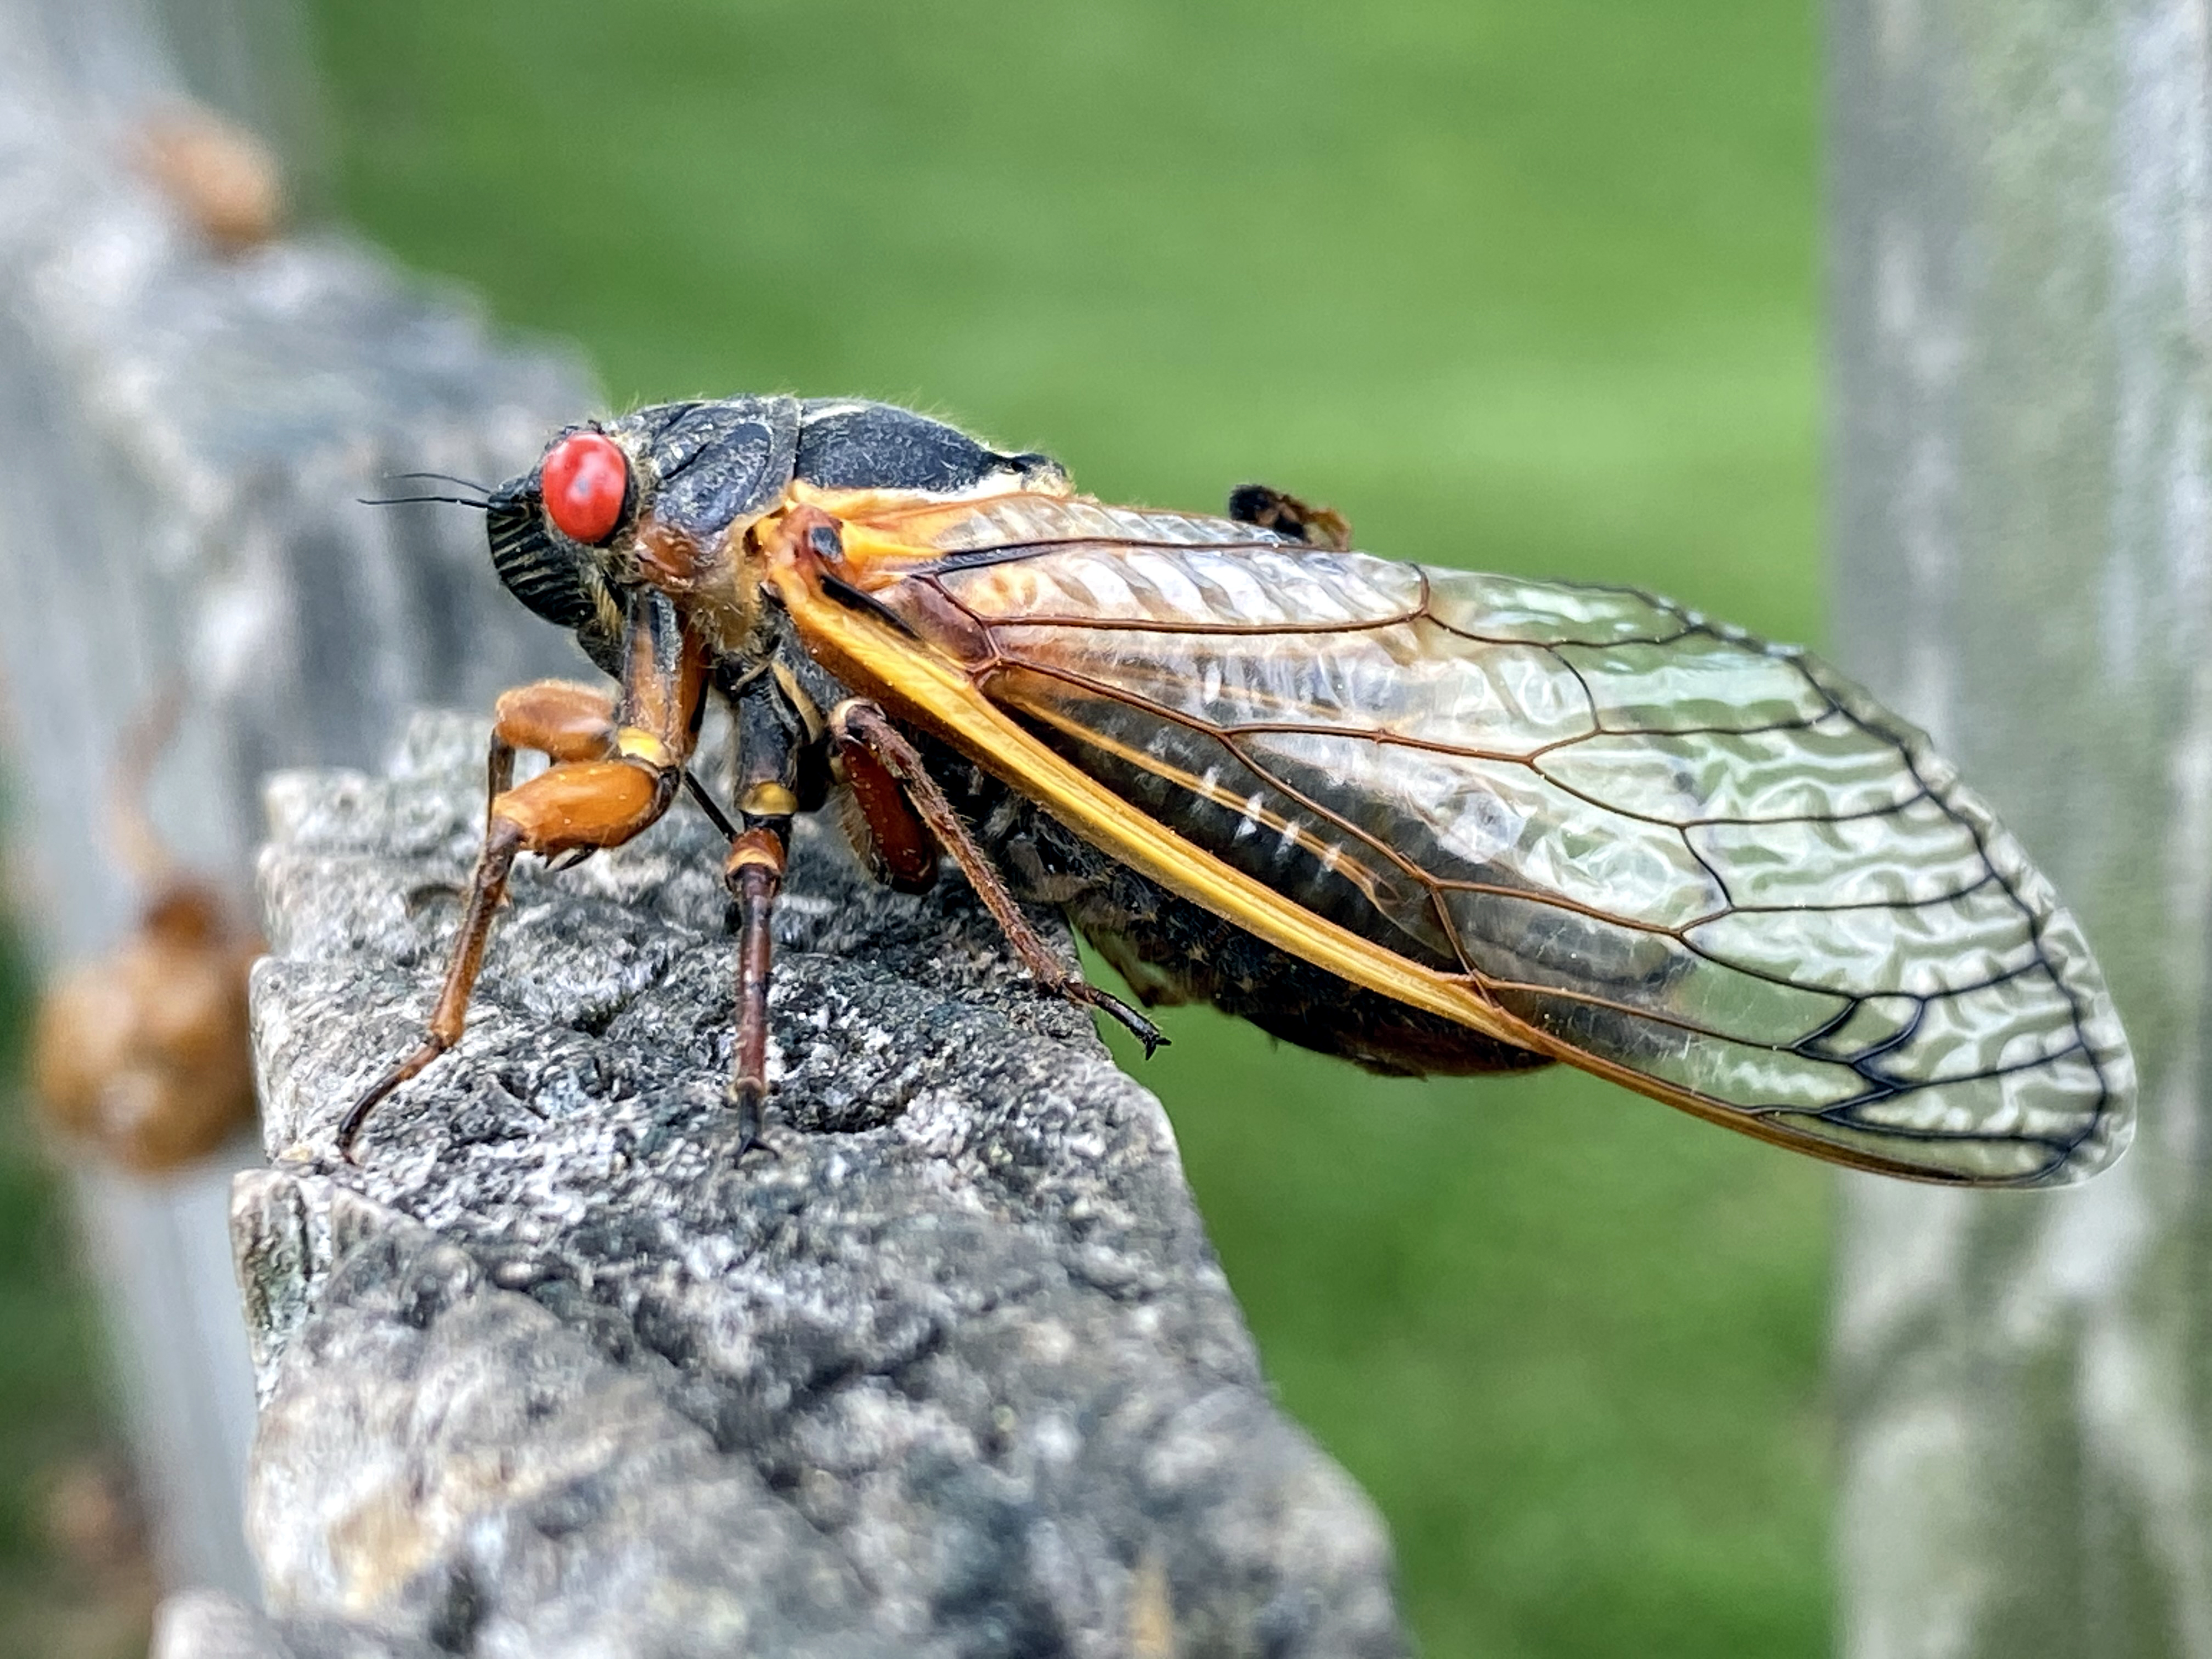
[574,806]
[864,736]
[559,719]
[616,767]
[562,721]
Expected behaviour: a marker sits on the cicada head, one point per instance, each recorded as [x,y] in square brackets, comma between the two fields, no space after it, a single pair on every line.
[658,496]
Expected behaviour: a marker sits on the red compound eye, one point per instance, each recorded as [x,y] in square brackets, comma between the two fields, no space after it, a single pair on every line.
[585,477]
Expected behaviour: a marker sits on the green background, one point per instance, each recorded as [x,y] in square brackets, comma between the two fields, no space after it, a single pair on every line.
[1519,286]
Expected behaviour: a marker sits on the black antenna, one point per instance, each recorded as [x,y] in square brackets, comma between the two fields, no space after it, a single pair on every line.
[405,501]
[444,477]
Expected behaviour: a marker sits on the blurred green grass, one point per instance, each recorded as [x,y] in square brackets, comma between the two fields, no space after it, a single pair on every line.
[1520,288]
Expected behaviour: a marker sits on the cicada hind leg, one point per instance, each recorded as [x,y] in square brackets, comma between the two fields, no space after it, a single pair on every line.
[868,744]
[592,796]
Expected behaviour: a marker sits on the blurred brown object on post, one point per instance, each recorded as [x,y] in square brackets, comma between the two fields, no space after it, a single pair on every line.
[144,1055]
[97,1597]
[222,178]
[90,1515]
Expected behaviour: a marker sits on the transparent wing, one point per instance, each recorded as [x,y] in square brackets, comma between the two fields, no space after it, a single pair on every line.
[1693,860]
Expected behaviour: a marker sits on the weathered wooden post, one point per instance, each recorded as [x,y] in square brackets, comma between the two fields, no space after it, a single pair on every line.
[187,431]
[944,1366]
[2022,311]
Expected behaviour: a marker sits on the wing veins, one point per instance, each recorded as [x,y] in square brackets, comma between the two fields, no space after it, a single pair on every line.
[2035,934]
[1563,903]
[1672,1022]
[1987,877]
[994,553]
[1839,1112]
[1190,722]
[1231,737]
[1357,873]
[1437,906]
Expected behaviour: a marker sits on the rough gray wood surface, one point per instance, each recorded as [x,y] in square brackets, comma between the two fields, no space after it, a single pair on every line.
[187,434]
[944,1366]
[2022,310]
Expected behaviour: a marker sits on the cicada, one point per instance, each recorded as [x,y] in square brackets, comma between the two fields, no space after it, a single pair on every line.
[1429,821]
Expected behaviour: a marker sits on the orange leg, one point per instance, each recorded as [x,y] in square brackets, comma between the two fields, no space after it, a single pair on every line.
[576,804]
[862,724]
[560,720]
[617,764]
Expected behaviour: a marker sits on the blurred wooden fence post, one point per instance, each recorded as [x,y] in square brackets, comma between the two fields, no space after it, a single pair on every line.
[186,433]
[2021,294]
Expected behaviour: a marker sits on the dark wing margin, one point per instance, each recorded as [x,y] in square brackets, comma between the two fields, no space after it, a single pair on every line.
[1709,868]
[2071,1095]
